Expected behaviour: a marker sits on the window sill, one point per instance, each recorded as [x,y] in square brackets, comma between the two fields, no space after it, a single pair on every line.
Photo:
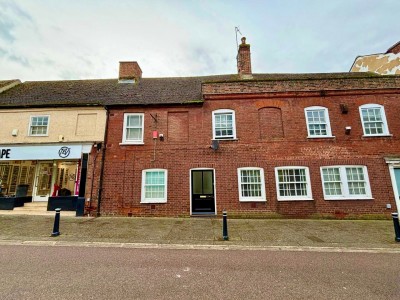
[38,135]
[349,199]
[377,135]
[252,200]
[296,199]
[131,143]
[321,137]
[222,140]
[152,201]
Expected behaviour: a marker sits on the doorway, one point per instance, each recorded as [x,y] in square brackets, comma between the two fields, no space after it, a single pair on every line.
[202,192]
[43,180]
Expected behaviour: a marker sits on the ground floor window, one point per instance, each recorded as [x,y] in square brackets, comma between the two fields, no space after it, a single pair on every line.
[293,183]
[345,182]
[251,184]
[14,174]
[154,186]
[57,178]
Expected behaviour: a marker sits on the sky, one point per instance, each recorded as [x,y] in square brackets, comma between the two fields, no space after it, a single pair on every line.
[86,39]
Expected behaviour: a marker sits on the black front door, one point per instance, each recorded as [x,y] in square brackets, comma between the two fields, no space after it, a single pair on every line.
[203,201]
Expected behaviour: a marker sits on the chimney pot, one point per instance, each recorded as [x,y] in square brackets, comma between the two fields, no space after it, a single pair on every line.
[129,71]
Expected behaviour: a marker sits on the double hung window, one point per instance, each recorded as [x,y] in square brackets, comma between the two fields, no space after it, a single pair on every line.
[154,186]
[39,126]
[373,120]
[133,128]
[318,124]
[251,184]
[224,127]
[345,182]
[293,183]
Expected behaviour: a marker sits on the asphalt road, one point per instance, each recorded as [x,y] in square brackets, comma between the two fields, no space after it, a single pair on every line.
[45,272]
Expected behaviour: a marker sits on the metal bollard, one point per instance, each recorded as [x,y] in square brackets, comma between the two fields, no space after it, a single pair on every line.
[56,228]
[224,226]
[396,224]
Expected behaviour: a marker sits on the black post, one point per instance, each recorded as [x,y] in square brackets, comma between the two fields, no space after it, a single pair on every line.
[56,228]
[396,224]
[224,226]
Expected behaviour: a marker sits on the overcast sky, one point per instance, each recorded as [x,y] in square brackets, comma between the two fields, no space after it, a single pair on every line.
[85,39]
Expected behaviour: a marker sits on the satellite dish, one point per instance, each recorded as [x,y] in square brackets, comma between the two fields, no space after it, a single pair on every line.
[214,145]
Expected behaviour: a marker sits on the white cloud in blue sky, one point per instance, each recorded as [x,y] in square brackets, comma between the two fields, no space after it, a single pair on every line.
[51,40]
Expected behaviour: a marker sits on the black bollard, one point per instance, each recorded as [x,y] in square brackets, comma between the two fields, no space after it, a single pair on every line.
[396,224]
[56,228]
[224,226]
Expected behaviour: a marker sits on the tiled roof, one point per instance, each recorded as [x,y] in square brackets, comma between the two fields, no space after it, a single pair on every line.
[175,90]
[6,84]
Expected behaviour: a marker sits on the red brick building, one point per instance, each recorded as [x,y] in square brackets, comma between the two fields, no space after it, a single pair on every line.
[298,145]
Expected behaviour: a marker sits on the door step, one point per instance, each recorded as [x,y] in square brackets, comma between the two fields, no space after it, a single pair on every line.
[35,209]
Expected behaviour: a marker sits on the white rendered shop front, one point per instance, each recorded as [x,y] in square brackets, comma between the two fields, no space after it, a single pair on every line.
[43,170]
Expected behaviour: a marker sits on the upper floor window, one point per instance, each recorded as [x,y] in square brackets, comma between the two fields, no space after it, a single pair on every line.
[223,122]
[373,120]
[154,186]
[39,126]
[318,124]
[293,183]
[345,182]
[251,184]
[133,128]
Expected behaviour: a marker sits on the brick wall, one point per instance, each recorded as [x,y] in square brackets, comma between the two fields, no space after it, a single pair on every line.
[287,146]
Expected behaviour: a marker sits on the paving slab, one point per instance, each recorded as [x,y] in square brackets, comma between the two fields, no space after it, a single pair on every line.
[364,234]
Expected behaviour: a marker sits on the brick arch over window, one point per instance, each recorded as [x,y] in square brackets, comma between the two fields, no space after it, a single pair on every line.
[270,122]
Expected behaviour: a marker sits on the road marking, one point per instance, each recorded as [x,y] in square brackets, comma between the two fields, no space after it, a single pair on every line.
[199,247]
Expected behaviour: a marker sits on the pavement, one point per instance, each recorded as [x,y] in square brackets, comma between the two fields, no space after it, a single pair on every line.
[202,233]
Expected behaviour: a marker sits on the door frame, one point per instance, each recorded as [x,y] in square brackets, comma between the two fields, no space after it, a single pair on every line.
[34,190]
[394,164]
[215,188]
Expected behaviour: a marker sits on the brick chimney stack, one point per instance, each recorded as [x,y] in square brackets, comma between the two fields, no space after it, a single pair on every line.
[129,71]
[243,59]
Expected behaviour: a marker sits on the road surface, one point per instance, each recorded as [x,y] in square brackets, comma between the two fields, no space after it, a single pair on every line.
[46,272]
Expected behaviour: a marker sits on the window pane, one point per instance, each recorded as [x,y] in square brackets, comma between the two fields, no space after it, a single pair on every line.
[356,181]
[372,119]
[292,182]
[223,123]
[317,125]
[250,183]
[154,184]
[207,182]
[197,182]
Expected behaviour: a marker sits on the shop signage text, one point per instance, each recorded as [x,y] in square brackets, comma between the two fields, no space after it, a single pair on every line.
[45,152]
[5,153]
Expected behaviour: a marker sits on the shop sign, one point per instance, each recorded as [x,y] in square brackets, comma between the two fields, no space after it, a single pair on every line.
[36,152]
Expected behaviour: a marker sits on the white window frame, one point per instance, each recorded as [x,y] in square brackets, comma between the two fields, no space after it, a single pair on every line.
[154,200]
[294,198]
[344,185]
[132,142]
[383,115]
[327,121]
[242,198]
[224,111]
[30,125]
